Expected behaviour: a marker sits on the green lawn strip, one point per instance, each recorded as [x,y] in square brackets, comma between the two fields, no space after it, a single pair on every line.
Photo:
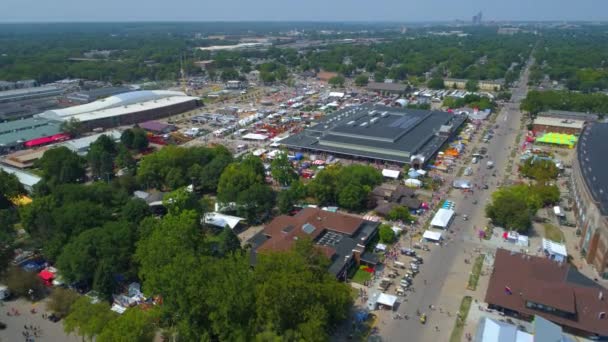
[474,277]
[461,319]
[361,277]
[553,233]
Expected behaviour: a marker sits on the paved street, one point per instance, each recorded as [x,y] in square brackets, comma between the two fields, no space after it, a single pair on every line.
[444,269]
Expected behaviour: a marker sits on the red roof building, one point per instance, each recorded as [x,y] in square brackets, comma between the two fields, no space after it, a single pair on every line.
[530,285]
[338,235]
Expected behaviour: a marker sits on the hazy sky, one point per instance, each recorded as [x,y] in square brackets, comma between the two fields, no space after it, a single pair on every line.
[304,10]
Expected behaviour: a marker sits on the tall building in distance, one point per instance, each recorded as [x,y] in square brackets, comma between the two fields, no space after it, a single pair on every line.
[477,18]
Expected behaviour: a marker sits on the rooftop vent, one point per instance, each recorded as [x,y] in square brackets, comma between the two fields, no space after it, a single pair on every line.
[308,228]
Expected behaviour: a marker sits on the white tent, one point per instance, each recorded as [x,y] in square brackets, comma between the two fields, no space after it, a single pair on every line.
[336,94]
[221,220]
[558,211]
[387,300]
[413,183]
[255,136]
[431,235]
[442,218]
[555,251]
[394,174]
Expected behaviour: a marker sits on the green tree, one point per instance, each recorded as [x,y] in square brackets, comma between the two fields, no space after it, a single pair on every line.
[512,208]
[181,200]
[337,81]
[87,319]
[101,157]
[435,83]
[387,235]
[135,210]
[282,170]
[472,85]
[539,169]
[255,202]
[140,139]
[20,282]
[72,127]
[227,242]
[135,325]
[124,159]
[319,299]
[61,300]
[361,80]
[60,165]
[400,213]
[352,197]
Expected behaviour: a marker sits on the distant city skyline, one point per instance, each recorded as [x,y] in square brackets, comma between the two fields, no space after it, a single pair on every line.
[311,10]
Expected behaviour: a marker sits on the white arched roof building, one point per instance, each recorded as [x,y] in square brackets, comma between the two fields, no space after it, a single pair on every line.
[120,100]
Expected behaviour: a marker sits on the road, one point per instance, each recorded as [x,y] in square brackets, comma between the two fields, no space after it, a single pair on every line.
[446,262]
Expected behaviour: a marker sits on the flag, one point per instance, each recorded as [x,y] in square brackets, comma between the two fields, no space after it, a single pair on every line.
[508,290]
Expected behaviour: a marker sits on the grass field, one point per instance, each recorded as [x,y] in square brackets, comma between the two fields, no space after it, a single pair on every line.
[474,277]
[552,232]
[461,319]
[361,277]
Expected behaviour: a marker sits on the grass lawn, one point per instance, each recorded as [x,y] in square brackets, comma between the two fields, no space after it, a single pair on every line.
[553,233]
[361,277]
[463,312]
[474,277]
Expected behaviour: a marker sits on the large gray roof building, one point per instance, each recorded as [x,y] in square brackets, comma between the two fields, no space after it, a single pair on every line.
[379,133]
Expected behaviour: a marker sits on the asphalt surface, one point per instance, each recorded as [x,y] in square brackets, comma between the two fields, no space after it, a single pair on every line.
[440,262]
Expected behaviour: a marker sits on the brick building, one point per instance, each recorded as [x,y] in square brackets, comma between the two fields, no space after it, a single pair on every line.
[590,192]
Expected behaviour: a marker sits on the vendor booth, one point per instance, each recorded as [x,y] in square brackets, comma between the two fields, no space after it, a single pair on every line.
[555,251]
[431,235]
[442,218]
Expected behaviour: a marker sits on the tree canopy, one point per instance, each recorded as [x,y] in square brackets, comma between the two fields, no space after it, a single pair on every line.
[513,207]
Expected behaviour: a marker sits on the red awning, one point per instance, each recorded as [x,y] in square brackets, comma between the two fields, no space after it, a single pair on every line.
[46,275]
[47,140]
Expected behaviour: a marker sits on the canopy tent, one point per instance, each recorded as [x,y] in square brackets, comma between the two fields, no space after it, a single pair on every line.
[558,139]
[462,184]
[47,277]
[431,235]
[413,183]
[387,300]
[442,218]
[397,230]
[412,173]
[381,247]
[555,251]
[221,220]
[558,211]
[394,174]
[255,136]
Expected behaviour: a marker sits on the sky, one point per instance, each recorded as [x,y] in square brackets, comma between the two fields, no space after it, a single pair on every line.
[299,10]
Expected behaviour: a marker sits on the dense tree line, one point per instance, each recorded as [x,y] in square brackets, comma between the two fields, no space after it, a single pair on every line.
[576,58]
[538,101]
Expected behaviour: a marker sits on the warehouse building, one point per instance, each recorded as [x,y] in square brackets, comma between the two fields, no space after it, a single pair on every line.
[95,94]
[379,133]
[557,125]
[14,134]
[30,93]
[126,108]
[387,88]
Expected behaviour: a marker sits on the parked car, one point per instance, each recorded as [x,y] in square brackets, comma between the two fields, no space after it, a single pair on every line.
[408,251]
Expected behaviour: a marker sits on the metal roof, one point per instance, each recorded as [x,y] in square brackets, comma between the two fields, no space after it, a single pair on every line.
[591,153]
[124,100]
[377,132]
